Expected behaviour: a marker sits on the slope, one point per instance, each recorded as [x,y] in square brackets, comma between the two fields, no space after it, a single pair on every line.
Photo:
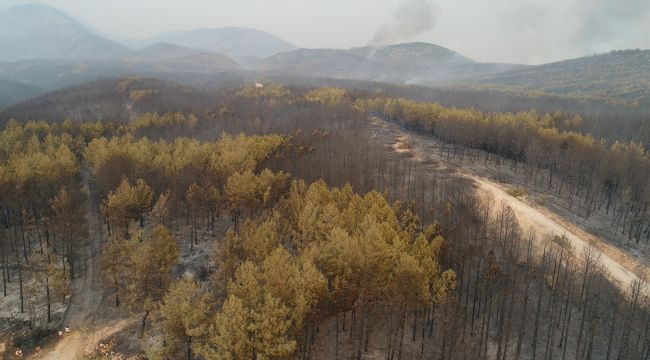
[38,31]
[412,63]
[242,44]
[618,75]
[11,92]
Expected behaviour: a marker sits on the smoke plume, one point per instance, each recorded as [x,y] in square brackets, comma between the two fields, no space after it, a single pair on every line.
[411,19]
[603,22]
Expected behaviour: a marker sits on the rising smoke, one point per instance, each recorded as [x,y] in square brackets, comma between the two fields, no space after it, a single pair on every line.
[411,19]
[602,22]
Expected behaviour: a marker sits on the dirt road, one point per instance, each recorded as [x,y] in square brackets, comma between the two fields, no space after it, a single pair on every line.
[78,344]
[622,268]
[529,217]
[85,305]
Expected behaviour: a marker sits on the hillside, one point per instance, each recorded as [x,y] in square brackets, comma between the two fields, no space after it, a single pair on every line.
[55,74]
[242,44]
[412,63]
[108,99]
[165,57]
[197,63]
[40,32]
[619,75]
[11,92]
[162,51]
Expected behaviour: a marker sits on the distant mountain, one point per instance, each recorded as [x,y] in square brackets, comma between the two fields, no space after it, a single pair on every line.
[38,31]
[54,74]
[12,92]
[43,49]
[163,57]
[622,75]
[241,44]
[103,99]
[412,63]
[155,60]
[111,99]
[162,51]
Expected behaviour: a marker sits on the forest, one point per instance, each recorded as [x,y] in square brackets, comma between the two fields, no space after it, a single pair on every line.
[608,176]
[270,223]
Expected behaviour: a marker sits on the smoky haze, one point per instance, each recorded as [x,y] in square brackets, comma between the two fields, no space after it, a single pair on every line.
[602,21]
[412,18]
[520,31]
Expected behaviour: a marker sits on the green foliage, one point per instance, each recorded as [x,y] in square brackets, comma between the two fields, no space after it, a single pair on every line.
[249,191]
[517,192]
[317,249]
[326,96]
[183,162]
[168,121]
[274,94]
[529,136]
[138,95]
[149,260]
[182,319]
[128,202]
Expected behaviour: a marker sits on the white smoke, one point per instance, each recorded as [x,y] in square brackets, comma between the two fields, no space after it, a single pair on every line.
[411,19]
[603,22]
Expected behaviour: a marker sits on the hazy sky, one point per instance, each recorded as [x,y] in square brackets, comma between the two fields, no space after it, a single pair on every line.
[524,31]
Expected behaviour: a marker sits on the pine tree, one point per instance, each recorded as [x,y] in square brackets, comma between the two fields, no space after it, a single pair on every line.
[183,319]
[229,336]
[113,264]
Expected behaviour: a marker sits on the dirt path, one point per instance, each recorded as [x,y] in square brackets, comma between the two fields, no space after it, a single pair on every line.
[85,305]
[80,343]
[543,225]
[86,289]
[622,268]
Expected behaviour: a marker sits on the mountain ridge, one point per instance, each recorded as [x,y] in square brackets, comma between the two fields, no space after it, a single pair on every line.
[37,31]
[239,43]
[45,49]
[621,75]
[416,62]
